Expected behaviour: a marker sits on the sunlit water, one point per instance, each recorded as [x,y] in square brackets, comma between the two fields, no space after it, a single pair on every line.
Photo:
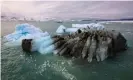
[16,65]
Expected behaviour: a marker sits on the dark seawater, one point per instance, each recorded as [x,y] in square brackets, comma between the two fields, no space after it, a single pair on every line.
[16,65]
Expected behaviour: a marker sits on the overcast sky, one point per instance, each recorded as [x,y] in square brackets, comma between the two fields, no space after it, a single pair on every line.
[71,9]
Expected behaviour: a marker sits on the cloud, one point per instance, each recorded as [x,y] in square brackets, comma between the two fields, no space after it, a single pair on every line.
[69,9]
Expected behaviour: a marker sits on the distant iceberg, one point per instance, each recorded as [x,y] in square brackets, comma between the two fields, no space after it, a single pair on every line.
[71,30]
[25,31]
[96,26]
[63,30]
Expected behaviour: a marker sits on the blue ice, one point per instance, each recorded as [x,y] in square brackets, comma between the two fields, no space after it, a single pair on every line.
[42,41]
[45,46]
[25,31]
[47,50]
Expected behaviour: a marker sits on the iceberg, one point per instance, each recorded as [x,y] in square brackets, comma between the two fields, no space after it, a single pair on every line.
[71,30]
[47,50]
[96,26]
[61,29]
[80,25]
[25,31]
[43,45]
[41,41]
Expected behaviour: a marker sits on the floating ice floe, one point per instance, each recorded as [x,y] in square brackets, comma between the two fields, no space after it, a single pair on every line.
[25,31]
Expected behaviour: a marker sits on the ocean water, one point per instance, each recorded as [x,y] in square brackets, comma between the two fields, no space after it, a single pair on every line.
[16,65]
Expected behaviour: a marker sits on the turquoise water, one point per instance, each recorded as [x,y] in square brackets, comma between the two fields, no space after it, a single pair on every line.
[16,65]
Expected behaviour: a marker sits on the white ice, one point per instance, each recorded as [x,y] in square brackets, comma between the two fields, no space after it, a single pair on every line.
[96,26]
[61,29]
[71,30]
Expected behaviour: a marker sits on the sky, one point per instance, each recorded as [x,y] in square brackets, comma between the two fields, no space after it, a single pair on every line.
[68,9]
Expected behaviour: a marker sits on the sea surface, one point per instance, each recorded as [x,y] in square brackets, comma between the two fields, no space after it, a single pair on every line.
[16,65]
